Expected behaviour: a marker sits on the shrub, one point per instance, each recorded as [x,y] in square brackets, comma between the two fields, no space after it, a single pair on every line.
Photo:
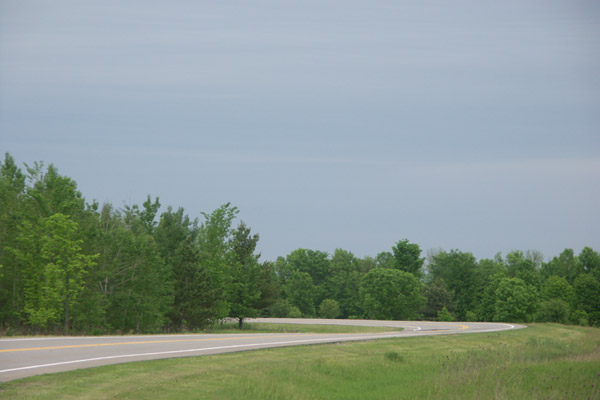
[393,356]
[329,308]
[295,312]
[471,316]
[579,317]
[554,310]
[281,309]
[444,315]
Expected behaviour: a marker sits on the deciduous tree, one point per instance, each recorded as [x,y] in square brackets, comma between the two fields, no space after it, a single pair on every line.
[391,294]
[407,257]
[459,271]
[513,301]
[245,290]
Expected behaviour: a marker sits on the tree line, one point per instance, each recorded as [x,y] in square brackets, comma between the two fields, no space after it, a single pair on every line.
[71,266]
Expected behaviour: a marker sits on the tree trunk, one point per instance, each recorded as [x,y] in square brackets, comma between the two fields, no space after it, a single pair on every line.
[241,323]
[67,306]
[67,317]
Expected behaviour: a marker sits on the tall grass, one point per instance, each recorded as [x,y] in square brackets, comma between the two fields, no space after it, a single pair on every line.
[259,327]
[541,362]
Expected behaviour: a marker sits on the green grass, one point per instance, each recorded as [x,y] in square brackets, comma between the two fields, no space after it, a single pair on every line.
[541,362]
[257,327]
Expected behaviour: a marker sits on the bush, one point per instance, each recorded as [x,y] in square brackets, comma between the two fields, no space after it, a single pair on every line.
[444,315]
[329,308]
[281,309]
[471,316]
[579,317]
[393,356]
[295,312]
[513,300]
[554,310]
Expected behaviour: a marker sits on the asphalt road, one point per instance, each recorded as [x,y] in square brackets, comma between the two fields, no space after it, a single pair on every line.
[23,357]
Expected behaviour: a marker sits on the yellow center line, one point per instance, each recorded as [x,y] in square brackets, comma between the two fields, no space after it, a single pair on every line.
[144,342]
[461,327]
[74,346]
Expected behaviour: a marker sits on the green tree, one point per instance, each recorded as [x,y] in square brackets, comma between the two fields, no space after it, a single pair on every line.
[53,267]
[459,271]
[195,296]
[385,259]
[173,229]
[487,304]
[329,309]
[132,279]
[558,300]
[215,249]
[391,294]
[488,268]
[513,301]
[50,193]
[445,315]
[589,262]
[301,292]
[316,264]
[579,317]
[282,270]
[245,290]
[101,280]
[554,310]
[65,268]
[27,201]
[281,309]
[564,265]
[519,265]
[12,190]
[437,297]
[142,219]
[143,294]
[587,292]
[365,264]
[343,282]
[557,287]
[313,262]
[270,289]
[407,257]
[30,265]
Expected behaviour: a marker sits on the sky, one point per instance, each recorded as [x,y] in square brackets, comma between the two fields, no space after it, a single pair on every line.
[348,124]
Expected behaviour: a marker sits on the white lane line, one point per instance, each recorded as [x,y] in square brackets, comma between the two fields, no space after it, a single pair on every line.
[237,346]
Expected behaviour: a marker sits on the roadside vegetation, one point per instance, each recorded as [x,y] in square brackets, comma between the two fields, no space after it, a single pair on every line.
[68,266]
[258,327]
[547,361]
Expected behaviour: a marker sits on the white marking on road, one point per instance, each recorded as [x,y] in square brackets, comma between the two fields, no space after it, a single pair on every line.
[323,340]
[238,346]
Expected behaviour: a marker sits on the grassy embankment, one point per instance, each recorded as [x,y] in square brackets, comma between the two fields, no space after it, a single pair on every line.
[541,362]
[258,327]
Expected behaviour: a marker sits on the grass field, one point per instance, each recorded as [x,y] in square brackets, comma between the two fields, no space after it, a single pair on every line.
[541,362]
[258,327]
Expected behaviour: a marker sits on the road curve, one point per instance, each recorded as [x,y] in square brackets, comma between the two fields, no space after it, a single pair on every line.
[23,357]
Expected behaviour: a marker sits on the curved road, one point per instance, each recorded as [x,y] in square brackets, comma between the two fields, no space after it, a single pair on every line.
[25,357]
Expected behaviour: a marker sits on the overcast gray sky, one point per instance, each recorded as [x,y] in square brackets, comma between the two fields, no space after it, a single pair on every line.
[330,124]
